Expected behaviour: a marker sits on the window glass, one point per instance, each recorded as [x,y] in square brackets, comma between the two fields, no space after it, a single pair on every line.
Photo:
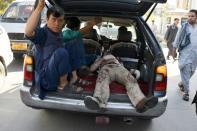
[110,29]
[11,12]
[19,11]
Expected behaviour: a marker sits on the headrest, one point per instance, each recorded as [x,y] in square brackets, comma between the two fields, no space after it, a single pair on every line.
[91,35]
[124,36]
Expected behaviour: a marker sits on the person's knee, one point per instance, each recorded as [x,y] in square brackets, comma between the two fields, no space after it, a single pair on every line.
[61,52]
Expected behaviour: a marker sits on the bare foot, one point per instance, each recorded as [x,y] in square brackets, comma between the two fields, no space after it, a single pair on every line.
[61,88]
[74,77]
[63,82]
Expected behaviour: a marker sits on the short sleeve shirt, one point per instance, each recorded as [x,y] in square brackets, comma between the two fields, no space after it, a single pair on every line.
[69,34]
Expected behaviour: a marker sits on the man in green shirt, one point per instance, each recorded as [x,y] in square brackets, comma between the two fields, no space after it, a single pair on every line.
[72,36]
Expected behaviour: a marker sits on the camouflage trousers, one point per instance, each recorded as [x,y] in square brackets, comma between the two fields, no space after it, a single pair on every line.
[116,72]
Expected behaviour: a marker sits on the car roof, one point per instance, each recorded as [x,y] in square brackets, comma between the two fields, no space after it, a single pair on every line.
[106,7]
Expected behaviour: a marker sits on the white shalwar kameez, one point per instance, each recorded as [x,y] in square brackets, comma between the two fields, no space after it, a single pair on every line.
[188,57]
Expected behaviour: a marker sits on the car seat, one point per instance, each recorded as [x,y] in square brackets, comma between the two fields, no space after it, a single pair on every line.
[126,50]
[92,47]
[124,36]
[91,43]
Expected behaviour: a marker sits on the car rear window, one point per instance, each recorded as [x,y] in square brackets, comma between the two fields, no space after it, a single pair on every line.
[109,27]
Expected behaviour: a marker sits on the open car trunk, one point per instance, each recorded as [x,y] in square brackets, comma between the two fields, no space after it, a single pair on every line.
[116,13]
[136,48]
[137,56]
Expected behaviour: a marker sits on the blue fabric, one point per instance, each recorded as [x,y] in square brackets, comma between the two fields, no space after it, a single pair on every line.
[48,78]
[90,58]
[76,53]
[186,74]
[184,40]
[75,46]
[39,41]
[56,68]
[49,65]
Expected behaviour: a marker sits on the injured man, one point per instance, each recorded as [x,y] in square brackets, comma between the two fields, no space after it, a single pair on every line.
[112,70]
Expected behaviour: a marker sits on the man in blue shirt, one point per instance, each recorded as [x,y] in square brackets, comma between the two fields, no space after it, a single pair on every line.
[50,69]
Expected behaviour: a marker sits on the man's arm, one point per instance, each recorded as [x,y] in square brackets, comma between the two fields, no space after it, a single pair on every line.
[34,19]
[167,33]
[90,25]
[96,64]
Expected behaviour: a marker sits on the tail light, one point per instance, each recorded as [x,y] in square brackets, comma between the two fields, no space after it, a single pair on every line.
[160,81]
[28,70]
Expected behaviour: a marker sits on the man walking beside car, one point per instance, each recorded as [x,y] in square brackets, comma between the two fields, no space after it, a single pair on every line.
[170,36]
[186,43]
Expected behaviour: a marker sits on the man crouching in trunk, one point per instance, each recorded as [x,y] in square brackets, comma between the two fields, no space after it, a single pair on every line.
[51,57]
[112,70]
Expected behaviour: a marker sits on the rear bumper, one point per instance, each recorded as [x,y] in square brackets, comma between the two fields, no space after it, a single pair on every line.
[123,109]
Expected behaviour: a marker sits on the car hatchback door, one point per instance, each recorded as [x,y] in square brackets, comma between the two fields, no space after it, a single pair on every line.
[123,7]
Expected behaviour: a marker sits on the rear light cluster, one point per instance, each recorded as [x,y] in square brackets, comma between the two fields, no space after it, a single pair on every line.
[28,70]
[160,81]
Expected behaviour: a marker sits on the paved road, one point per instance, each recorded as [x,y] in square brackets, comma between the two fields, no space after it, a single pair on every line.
[15,116]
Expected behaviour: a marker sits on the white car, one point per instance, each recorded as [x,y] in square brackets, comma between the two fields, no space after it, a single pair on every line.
[6,55]
[14,21]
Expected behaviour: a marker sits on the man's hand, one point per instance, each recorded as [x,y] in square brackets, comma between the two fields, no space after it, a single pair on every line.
[90,24]
[41,4]
[34,19]
[135,73]
[174,54]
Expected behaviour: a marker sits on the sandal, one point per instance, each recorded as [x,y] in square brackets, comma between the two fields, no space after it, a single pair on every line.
[75,89]
[84,82]
[61,88]
[70,88]
[81,82]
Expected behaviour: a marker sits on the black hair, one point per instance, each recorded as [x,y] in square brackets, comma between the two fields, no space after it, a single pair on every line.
[54,12]
[176,19]
[73,23]
[122,29]
[194,11]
